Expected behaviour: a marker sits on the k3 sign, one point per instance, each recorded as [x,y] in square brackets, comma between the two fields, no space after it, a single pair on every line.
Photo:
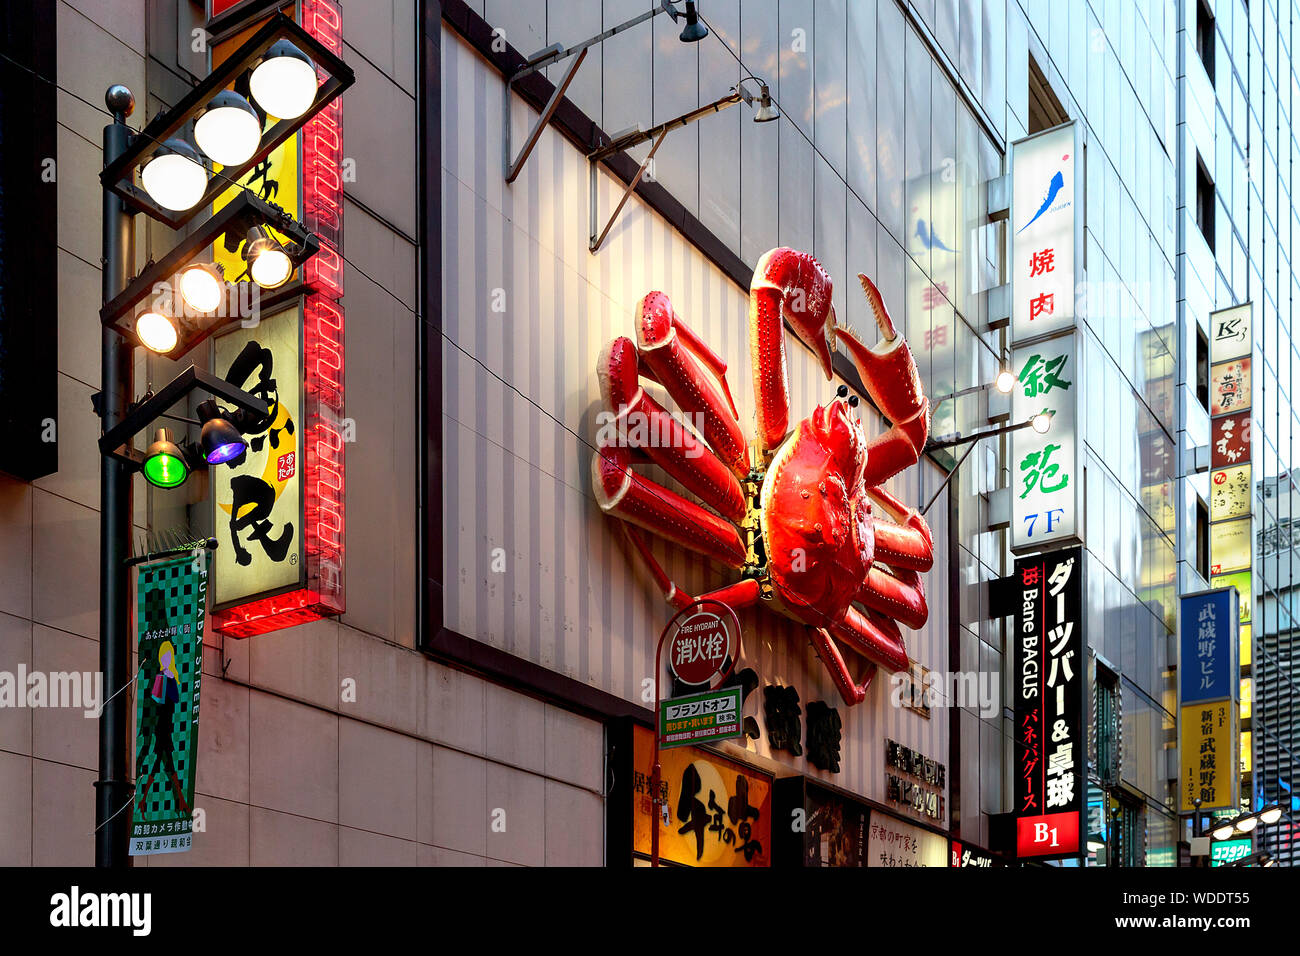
[1050,673]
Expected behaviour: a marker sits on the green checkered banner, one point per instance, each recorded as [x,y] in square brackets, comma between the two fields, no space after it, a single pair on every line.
[171,601]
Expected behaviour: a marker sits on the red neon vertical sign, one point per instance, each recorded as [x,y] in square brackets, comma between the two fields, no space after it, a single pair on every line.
[325,427]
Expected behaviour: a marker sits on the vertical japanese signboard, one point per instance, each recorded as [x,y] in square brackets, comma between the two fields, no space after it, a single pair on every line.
[1232,521]
[1050,726]
[1046,225]
[1046,480]
[171,605]
[273,577]
[1046,192]
[1208,669]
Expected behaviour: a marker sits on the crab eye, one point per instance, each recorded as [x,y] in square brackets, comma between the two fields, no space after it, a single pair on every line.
[853,401]
[842,391]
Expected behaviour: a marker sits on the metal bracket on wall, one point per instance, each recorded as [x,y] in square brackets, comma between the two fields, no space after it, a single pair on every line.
[540,60]
[594,241]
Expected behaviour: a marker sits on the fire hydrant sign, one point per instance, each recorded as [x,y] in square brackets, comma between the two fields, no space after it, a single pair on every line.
[700,718]
[701,650]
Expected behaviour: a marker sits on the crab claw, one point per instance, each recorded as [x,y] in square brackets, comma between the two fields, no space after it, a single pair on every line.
[791,286]
[890,376]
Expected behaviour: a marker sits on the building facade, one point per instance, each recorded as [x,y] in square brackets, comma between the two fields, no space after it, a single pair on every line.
[487,693]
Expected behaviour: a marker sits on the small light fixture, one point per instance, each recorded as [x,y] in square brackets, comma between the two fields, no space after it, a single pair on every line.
[229,129]
[1271,815]
[694,31]
[175,177]
[1042,422]
[1005,381]
[156,332]
[1223,831]
[766,112]
[1247,823]
[164,462]
[220,442]
[284,83]
[268,264]
[203,287]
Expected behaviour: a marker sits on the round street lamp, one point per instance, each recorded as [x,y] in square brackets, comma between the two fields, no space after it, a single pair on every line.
[1042,422]
[229,129]
[175,177]
[1005,381]
[268,263]
[284,83]
[202,287]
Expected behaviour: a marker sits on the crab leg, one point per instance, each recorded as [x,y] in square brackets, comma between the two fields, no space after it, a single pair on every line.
[736,596]
[693,374]
[874,636]
[793,286]
[623,493]
[889,373]
[906,544]
[644,424]
[897,594]
[851,691]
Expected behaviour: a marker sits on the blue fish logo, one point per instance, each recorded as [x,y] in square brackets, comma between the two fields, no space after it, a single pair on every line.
[1056,185]
[928,238]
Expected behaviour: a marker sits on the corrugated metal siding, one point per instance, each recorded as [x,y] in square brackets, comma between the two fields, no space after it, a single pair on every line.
[517,456]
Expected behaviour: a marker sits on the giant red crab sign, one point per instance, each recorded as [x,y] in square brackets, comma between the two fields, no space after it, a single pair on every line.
[795,517]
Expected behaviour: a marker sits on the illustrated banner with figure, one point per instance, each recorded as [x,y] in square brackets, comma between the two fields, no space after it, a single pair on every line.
[171,601]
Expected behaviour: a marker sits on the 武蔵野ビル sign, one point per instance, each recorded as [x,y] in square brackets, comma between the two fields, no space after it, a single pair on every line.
[1208,692]
[1050,672]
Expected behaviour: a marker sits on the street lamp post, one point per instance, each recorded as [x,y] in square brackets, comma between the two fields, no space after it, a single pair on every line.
[113,788]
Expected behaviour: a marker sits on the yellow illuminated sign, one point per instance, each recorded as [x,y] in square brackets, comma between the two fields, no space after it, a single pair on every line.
[1208,762]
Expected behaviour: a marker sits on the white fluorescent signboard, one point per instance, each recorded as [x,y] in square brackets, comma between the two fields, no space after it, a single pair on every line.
[1046,197]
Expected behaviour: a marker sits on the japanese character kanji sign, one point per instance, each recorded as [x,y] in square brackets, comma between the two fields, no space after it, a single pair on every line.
[1230,386]
[1045,180]
[1230,492]
[1050,675]
[1046,473]
[1230,440]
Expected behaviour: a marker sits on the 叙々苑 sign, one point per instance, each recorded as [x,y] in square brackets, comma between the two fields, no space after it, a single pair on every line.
[171,604]
[1046,473]
[700,718]
[1046,189]
[1050,671]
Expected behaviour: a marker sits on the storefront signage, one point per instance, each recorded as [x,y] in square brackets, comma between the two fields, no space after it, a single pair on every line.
[963,854]
[1208,688]
[279,577]
[1046,473]
[893,842]
[1046,211]
[171,607]
[1230,333]
[1229,851]
[715,811]
[700,718]
[1050,672]
[835,830]
[918,783]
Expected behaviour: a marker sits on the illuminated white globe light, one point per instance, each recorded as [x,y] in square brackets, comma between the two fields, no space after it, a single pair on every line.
[1005,381]
[1223,831]
[202,288]
[156,332]
[229,131]
[270,266]
[1271,815]
[284,83]
[1246,824]
[1042,423]
[174,178]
